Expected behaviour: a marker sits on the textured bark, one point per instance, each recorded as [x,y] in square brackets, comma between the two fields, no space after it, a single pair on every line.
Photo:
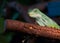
[33,29]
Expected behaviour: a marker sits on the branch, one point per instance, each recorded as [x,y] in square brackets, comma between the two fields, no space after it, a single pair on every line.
[33,29]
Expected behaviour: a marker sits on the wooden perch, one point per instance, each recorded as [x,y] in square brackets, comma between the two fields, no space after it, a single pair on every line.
[33,29]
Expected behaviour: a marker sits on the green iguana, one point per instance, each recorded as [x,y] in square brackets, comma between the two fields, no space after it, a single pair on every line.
[42,19]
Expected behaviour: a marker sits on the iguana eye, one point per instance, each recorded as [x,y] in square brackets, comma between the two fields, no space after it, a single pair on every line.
[35,11]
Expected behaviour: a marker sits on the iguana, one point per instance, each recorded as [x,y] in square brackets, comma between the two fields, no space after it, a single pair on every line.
[42,19]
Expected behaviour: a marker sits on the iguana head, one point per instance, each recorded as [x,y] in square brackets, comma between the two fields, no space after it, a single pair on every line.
[33,13]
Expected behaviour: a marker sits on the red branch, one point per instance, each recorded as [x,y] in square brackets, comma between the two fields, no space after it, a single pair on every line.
[33,29]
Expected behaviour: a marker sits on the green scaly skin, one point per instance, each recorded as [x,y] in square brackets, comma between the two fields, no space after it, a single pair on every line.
[42,19]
